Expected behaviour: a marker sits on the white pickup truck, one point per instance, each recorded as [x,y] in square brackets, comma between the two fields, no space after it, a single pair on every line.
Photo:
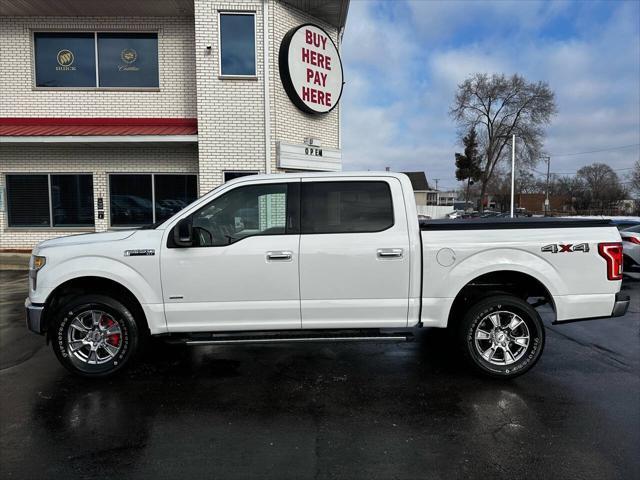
[320,257]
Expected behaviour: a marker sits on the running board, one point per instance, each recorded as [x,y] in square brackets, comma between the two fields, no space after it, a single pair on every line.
[295,336]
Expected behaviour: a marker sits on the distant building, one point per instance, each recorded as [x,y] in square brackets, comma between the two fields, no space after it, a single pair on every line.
[427,196]
[447,198]
[420,187]
[534,202]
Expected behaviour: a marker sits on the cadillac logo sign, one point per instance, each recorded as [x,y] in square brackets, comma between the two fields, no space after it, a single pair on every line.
[65,59]
[311,69]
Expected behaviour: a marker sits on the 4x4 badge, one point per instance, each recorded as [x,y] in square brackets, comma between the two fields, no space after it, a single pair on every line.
[565,247]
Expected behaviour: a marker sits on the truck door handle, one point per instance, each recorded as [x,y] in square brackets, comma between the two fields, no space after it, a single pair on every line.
[282,256]
[390,252]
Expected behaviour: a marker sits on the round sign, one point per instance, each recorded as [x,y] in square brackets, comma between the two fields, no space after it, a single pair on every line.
[311,69]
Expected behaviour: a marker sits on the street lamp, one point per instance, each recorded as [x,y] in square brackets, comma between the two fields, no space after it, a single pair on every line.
[513,169]
[546,190]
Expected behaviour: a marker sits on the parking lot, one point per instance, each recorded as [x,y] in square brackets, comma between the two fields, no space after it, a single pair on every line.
[354,411]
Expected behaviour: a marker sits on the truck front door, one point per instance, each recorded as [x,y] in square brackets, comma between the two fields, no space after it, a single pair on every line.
[242,271]
[354,253]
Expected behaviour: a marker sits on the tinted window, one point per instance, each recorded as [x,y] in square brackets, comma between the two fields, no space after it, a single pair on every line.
[240,213]
[346,207]
[237,44]
[173,193]
[231,175]
[65,59]
[128,59]
[28,200]
[72,200]
[635,229]
[130,200]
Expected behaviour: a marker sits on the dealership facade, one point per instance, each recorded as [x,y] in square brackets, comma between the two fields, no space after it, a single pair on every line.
[120,113]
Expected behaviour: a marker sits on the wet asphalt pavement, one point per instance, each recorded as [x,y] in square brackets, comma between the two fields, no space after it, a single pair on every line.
[353,411]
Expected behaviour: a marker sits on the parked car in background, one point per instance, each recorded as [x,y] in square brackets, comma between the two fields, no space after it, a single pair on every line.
[631,248]
[623,223]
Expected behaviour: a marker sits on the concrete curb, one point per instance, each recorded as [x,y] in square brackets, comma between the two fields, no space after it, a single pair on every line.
[14,261]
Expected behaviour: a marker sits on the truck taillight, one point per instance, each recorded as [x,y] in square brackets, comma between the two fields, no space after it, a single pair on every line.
[612,253]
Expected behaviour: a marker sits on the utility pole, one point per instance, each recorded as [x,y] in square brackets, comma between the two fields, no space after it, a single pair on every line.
[546,188]
[513,172]
[437,194]
[436,180]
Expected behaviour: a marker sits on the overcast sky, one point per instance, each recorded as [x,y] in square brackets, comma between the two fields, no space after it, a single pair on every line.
[404,59]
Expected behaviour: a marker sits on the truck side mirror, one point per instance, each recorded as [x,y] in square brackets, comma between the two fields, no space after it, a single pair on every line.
[183,233]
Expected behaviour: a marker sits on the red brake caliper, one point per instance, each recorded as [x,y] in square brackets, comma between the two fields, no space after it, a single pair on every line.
[114,338]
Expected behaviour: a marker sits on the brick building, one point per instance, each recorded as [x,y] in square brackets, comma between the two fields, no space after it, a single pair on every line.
[117,114]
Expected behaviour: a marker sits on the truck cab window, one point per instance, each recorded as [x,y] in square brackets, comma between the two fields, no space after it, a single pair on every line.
[243,212]
[346,207]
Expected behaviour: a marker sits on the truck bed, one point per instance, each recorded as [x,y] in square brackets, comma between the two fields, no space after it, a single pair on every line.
[511,223]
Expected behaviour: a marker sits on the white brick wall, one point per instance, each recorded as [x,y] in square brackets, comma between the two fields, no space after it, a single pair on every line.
[231,111]
[289,124]
[175,98]
[99,160]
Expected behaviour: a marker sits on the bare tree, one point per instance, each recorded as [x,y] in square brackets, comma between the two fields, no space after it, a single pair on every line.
[498,107]
[602,186]
[634,178]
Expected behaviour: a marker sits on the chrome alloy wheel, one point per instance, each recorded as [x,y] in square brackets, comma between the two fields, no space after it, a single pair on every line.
[502,338]
[94,337]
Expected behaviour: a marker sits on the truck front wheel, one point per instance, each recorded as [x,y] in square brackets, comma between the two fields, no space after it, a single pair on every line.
[94,335]
[502,336]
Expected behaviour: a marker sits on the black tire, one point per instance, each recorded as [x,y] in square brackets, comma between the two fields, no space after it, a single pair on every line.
[120,337]
[521,357]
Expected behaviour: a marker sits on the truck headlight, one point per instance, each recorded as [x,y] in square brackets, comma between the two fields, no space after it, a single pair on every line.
[36,263]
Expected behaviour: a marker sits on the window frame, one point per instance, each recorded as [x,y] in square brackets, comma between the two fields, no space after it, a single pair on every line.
[292,210]
[221,75]
[153,194]
[347,180]
[51,226]
[34,80]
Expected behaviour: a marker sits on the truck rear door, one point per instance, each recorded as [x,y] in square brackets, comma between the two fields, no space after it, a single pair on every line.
[354,253]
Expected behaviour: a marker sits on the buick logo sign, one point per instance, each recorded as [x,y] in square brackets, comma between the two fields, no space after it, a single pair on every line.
[65,58]
[311,69]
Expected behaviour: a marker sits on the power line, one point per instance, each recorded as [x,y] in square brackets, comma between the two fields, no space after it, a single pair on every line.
[574,173]
[594,151]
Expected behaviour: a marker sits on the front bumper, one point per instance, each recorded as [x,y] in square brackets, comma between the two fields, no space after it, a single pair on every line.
[35,319]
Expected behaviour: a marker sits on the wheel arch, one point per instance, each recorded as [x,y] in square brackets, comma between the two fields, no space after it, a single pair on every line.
[505,281]
[83,285]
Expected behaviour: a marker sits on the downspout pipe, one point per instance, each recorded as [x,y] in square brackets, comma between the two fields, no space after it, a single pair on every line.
[265,81]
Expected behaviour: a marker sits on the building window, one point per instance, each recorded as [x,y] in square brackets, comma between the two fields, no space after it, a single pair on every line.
[173,193]
[346,207]
[231,175]
[65,59]
[142,199]
[68,60]
[128,59]
[237,44]
[240,213]
[50,200]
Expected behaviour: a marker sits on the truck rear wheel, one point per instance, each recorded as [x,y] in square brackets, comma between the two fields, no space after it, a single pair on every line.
[94,335]
[502,336]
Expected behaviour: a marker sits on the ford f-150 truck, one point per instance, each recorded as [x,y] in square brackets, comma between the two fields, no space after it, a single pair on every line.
[320,257]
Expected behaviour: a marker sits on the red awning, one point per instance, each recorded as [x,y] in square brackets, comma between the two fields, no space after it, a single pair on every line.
[30,127]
